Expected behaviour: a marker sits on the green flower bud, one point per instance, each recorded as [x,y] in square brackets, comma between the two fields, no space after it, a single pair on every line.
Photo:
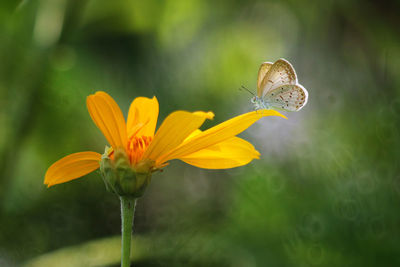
[123,179]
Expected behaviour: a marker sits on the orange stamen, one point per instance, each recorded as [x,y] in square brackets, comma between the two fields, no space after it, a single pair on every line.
[136,147]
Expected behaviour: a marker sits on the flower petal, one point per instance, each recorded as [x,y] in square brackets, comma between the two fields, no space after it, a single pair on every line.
[217,134]
[71,167]
[174,129]
[143,110]
[108,117]
[230,153]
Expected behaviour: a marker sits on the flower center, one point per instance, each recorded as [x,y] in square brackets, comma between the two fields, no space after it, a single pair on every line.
[136,147]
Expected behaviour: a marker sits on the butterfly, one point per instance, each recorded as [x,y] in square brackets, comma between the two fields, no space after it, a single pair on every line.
[277,87]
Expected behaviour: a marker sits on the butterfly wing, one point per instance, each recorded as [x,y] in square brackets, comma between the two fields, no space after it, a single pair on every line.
[289,97]
[261,74]
[280,73]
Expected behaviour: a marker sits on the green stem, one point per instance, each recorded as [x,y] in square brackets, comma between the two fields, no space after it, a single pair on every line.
[127,214]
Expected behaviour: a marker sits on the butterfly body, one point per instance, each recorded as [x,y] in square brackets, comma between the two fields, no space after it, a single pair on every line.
[277,88]
[259,103]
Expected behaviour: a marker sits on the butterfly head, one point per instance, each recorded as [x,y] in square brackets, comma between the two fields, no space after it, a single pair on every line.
[258,103]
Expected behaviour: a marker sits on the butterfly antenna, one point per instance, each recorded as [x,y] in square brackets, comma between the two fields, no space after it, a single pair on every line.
[242,87]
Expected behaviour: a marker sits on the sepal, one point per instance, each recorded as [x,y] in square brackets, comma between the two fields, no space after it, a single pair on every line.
[121,178]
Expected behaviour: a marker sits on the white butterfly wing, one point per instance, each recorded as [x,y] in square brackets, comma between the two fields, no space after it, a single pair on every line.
[280,73]
[289,97]
[261,74]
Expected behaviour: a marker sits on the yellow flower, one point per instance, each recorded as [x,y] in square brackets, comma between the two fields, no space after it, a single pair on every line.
[134,143]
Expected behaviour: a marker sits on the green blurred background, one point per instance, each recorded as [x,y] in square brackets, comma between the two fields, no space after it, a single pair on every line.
[326,191]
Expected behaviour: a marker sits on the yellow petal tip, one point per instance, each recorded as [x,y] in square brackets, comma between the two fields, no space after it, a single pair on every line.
[208,115]
[271,112]
[283,116]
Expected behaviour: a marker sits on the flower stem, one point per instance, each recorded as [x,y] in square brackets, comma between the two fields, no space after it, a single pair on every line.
[127,214]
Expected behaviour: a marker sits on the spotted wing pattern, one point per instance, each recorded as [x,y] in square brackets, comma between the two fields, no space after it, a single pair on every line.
[261,74]
[280,73]
[289,97]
